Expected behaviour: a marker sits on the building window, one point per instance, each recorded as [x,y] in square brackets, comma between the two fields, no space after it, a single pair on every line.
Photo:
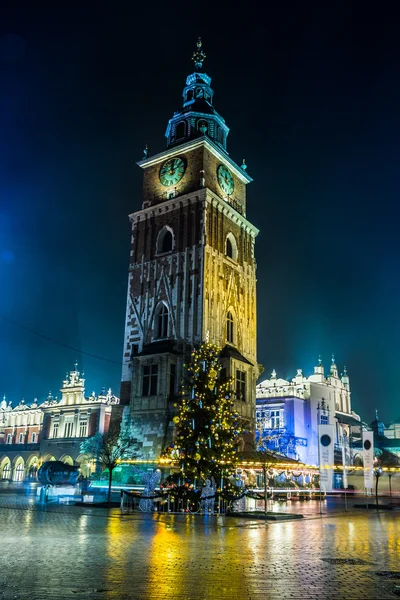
[21,438]
[69,425]
[55,429]
[150,378]
[161,321]
[165,240]
[6,471]
[240,385]
[229,328]
[231,247]
[180,130]
[83,429]
[275,419]
[9,438]
[324,420]
[229,250]
[33,439]
[19,472]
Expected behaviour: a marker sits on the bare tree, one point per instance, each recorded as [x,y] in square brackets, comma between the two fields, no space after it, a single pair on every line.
[384,459]
[110,447]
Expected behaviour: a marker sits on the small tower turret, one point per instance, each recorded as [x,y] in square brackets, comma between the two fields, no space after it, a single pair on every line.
[345,379]
[333,369]
[198,116]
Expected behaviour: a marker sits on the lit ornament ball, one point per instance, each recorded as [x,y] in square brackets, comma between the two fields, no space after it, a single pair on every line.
[197,456]
[176,419]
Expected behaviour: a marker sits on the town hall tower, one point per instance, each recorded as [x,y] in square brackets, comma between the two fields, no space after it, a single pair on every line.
[192,268]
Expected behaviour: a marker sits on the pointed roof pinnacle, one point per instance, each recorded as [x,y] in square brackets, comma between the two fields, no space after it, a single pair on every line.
[198,56]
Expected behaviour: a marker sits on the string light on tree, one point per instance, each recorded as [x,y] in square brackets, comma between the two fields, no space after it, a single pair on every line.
[207,425]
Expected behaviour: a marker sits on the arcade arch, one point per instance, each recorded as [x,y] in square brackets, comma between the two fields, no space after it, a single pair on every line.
[18,472]
[5,468]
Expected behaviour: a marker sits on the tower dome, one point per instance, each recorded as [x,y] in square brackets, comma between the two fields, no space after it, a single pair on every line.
[198,116]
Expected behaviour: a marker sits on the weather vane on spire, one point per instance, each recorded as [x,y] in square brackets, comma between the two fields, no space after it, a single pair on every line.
[198,56]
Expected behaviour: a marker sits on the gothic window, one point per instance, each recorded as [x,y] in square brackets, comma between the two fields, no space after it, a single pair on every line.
[189,96]
[231,247]
[161,321]
[150,377]
[21,438]
[180,130]
[9,438]
[33,438]
[6,471]
[165,240]
[229,328]
[19,472]
[220,136]
[241,385]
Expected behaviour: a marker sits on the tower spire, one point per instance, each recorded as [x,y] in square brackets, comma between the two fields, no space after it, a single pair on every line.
[198,56]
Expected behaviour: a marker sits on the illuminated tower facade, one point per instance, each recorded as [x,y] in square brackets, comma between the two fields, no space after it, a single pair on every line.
[192,268]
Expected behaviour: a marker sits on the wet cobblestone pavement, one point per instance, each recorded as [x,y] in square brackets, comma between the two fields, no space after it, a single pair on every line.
[65,552]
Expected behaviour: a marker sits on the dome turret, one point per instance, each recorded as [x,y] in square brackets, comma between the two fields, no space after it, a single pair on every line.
[198,116]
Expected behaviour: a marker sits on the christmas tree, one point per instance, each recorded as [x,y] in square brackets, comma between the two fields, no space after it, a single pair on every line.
[207,426]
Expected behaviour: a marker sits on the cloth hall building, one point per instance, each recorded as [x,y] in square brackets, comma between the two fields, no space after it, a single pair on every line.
[52,430]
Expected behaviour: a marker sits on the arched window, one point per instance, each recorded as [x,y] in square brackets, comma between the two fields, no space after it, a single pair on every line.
[231,247]
[229,328]
[165,240]
[189,96]
[161,321]
[19,472]
[202,126]
[220,136]
[6,471]
[180,130]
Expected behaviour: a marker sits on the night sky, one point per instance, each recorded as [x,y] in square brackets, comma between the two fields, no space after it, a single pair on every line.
[311,94]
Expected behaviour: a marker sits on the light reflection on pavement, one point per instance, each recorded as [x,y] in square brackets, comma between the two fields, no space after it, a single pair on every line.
[76,552]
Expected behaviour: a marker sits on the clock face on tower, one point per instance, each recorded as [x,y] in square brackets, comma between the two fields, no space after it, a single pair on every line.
[225,180]
[172,171]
